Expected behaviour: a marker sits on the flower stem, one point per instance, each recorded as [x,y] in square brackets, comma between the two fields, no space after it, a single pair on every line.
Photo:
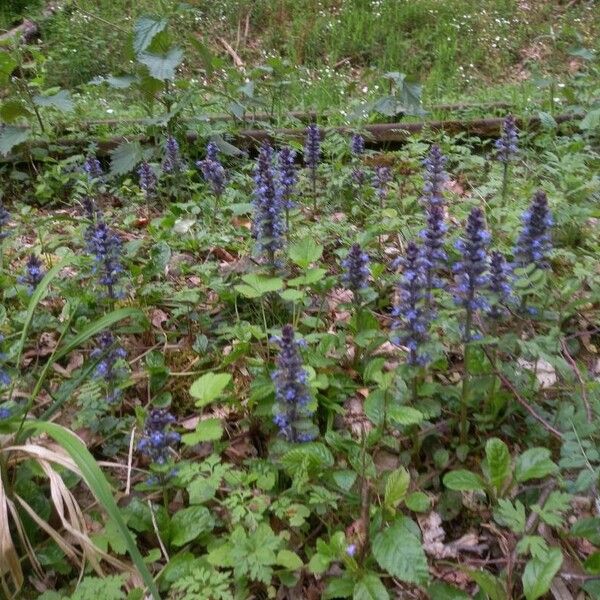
[464,399]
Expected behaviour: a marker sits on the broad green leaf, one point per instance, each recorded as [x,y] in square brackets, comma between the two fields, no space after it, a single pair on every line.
[591,120]
[314,455]
[145,29]
[405,415]
[125,157]
[592,564]
[464,481]
[12,136]
[11,110]
[290,560]
[538,574]
[96,481]
[255,286]
[7,65]
[418,502]
[443,591]
[61,101]
[339,587]
[188,523]
[162,66]
[397,549]
[491,585]
[209,387]
[291,295]
[369,587]
[305,252]
[396,487]
[534,463]
[498,462]
[208,430]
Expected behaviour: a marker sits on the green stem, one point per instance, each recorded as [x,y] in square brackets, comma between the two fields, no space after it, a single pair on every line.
[464,399]
[504,184]
[265,328]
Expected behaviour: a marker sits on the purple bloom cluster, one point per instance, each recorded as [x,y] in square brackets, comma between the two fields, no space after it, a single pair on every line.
[506,145]
[357,144]
[5,412]
[268,224]
[356,270]
[105,247]
[34,273]
[499,285]
[288,176]
[312,146]
[212,170]
[383,176]
[534,243]
[4,219]
[292,397]
[172,162]
[411,323]
[93,168]
[148,180]
[434,177]
[108,368]
[4,376]
[157,439]
[472,271]
[433,252]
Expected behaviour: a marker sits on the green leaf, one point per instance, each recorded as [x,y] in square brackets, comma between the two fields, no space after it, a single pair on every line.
[340,587]
[258,285]
[405,415]
[588,528]
[61,101]
[187,524]
[7,65]
[305,252]
[443,591]
[12,136]
[498,462]
[11,110]
[464,481]
[209,387]
[546,120]
[96,481]
[538,574]
[162,66]
[554,507]
[208,430]
[290,560]
[512,516]
[534,463]
[398,550]
[591,120]
[314,455]
[125,157]
[144,30]
[592,564]
[418,502]
[396,487]
[491,585]
[533,544]
[370,588]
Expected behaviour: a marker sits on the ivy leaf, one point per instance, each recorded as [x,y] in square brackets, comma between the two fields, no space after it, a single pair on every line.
[12,136]
[398,550]
[144,30]
[464,481]
[370,588]
[187,524]
[538,574]
[209,387]
[162,66]
[396,487]
[125,157]
[61,101]
[498,462]
[534,463]
[305,252]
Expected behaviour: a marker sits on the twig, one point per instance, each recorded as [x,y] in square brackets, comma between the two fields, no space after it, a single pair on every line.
[160,542]
[129,462]
[584,397]
[508,383]
[237,61]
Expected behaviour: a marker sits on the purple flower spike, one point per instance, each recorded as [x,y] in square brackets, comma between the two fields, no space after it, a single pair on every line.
[148,181]
[158,440]
[433,252]
[108,369]
[268,225]
[104,245]
[472,271]
[434,177]
[534,243]
[383,176]
[312,148]
[506,145]
[357,144]
[4,376]
[93,168]
[411,323]
[499,285]
[172,162]
[288,175]
[356,267]
[34,273]
[4,220]
[293,415]
[212,170]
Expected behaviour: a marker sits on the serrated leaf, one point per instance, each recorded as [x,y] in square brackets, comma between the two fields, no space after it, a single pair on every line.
[589,529]
[491,585]
[538,574]
[208,430]
[314,455]
[11,110]
[7,65]
[369,587]
[396,487]
[463,481]
[209,387]
[290,560]
[398,550]
[511,515]
[547,120]
[187,524]
[305,252]
[125,157]
[144,30]
[12,136]
[418,502]
[534,463]
[591,120]
[405,415]
[498,462]
[61,101]
[162,66]
[443,591]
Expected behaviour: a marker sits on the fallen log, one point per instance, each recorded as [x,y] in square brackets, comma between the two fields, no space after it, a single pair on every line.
[375,134]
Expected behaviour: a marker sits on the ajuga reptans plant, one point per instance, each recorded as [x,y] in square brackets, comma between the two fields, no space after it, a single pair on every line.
[356,271]
[158,440]
[534,243]
[312,156]
[147,180]
[34,273]
[212,170]
[288,177]
[110,356]
[104,245]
